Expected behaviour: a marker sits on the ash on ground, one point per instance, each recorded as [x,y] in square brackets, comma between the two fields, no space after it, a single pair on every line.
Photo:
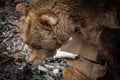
[49,69]
[11,46]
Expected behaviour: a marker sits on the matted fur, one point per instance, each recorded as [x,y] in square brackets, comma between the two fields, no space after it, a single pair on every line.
[97,21]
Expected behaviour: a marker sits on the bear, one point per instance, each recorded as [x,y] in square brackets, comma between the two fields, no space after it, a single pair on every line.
[46,25]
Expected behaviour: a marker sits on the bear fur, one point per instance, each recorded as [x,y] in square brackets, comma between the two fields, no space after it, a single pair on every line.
[48,24]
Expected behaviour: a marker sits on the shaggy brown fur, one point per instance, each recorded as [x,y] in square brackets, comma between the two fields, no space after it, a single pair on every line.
[81,69]
[74,73]
[97,21]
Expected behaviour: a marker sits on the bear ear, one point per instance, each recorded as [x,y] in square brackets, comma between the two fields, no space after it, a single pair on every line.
[49,18]
[23,8]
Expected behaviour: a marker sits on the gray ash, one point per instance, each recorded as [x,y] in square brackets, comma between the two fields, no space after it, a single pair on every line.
[10,42]
[8,16]
[49,69]
[9,38]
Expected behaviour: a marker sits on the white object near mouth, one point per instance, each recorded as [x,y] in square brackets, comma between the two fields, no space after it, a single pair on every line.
[64,54]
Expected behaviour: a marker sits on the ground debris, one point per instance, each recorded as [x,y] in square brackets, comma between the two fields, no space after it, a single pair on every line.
[49,69]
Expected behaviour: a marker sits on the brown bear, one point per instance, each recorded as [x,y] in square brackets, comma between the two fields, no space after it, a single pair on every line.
[48,24]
